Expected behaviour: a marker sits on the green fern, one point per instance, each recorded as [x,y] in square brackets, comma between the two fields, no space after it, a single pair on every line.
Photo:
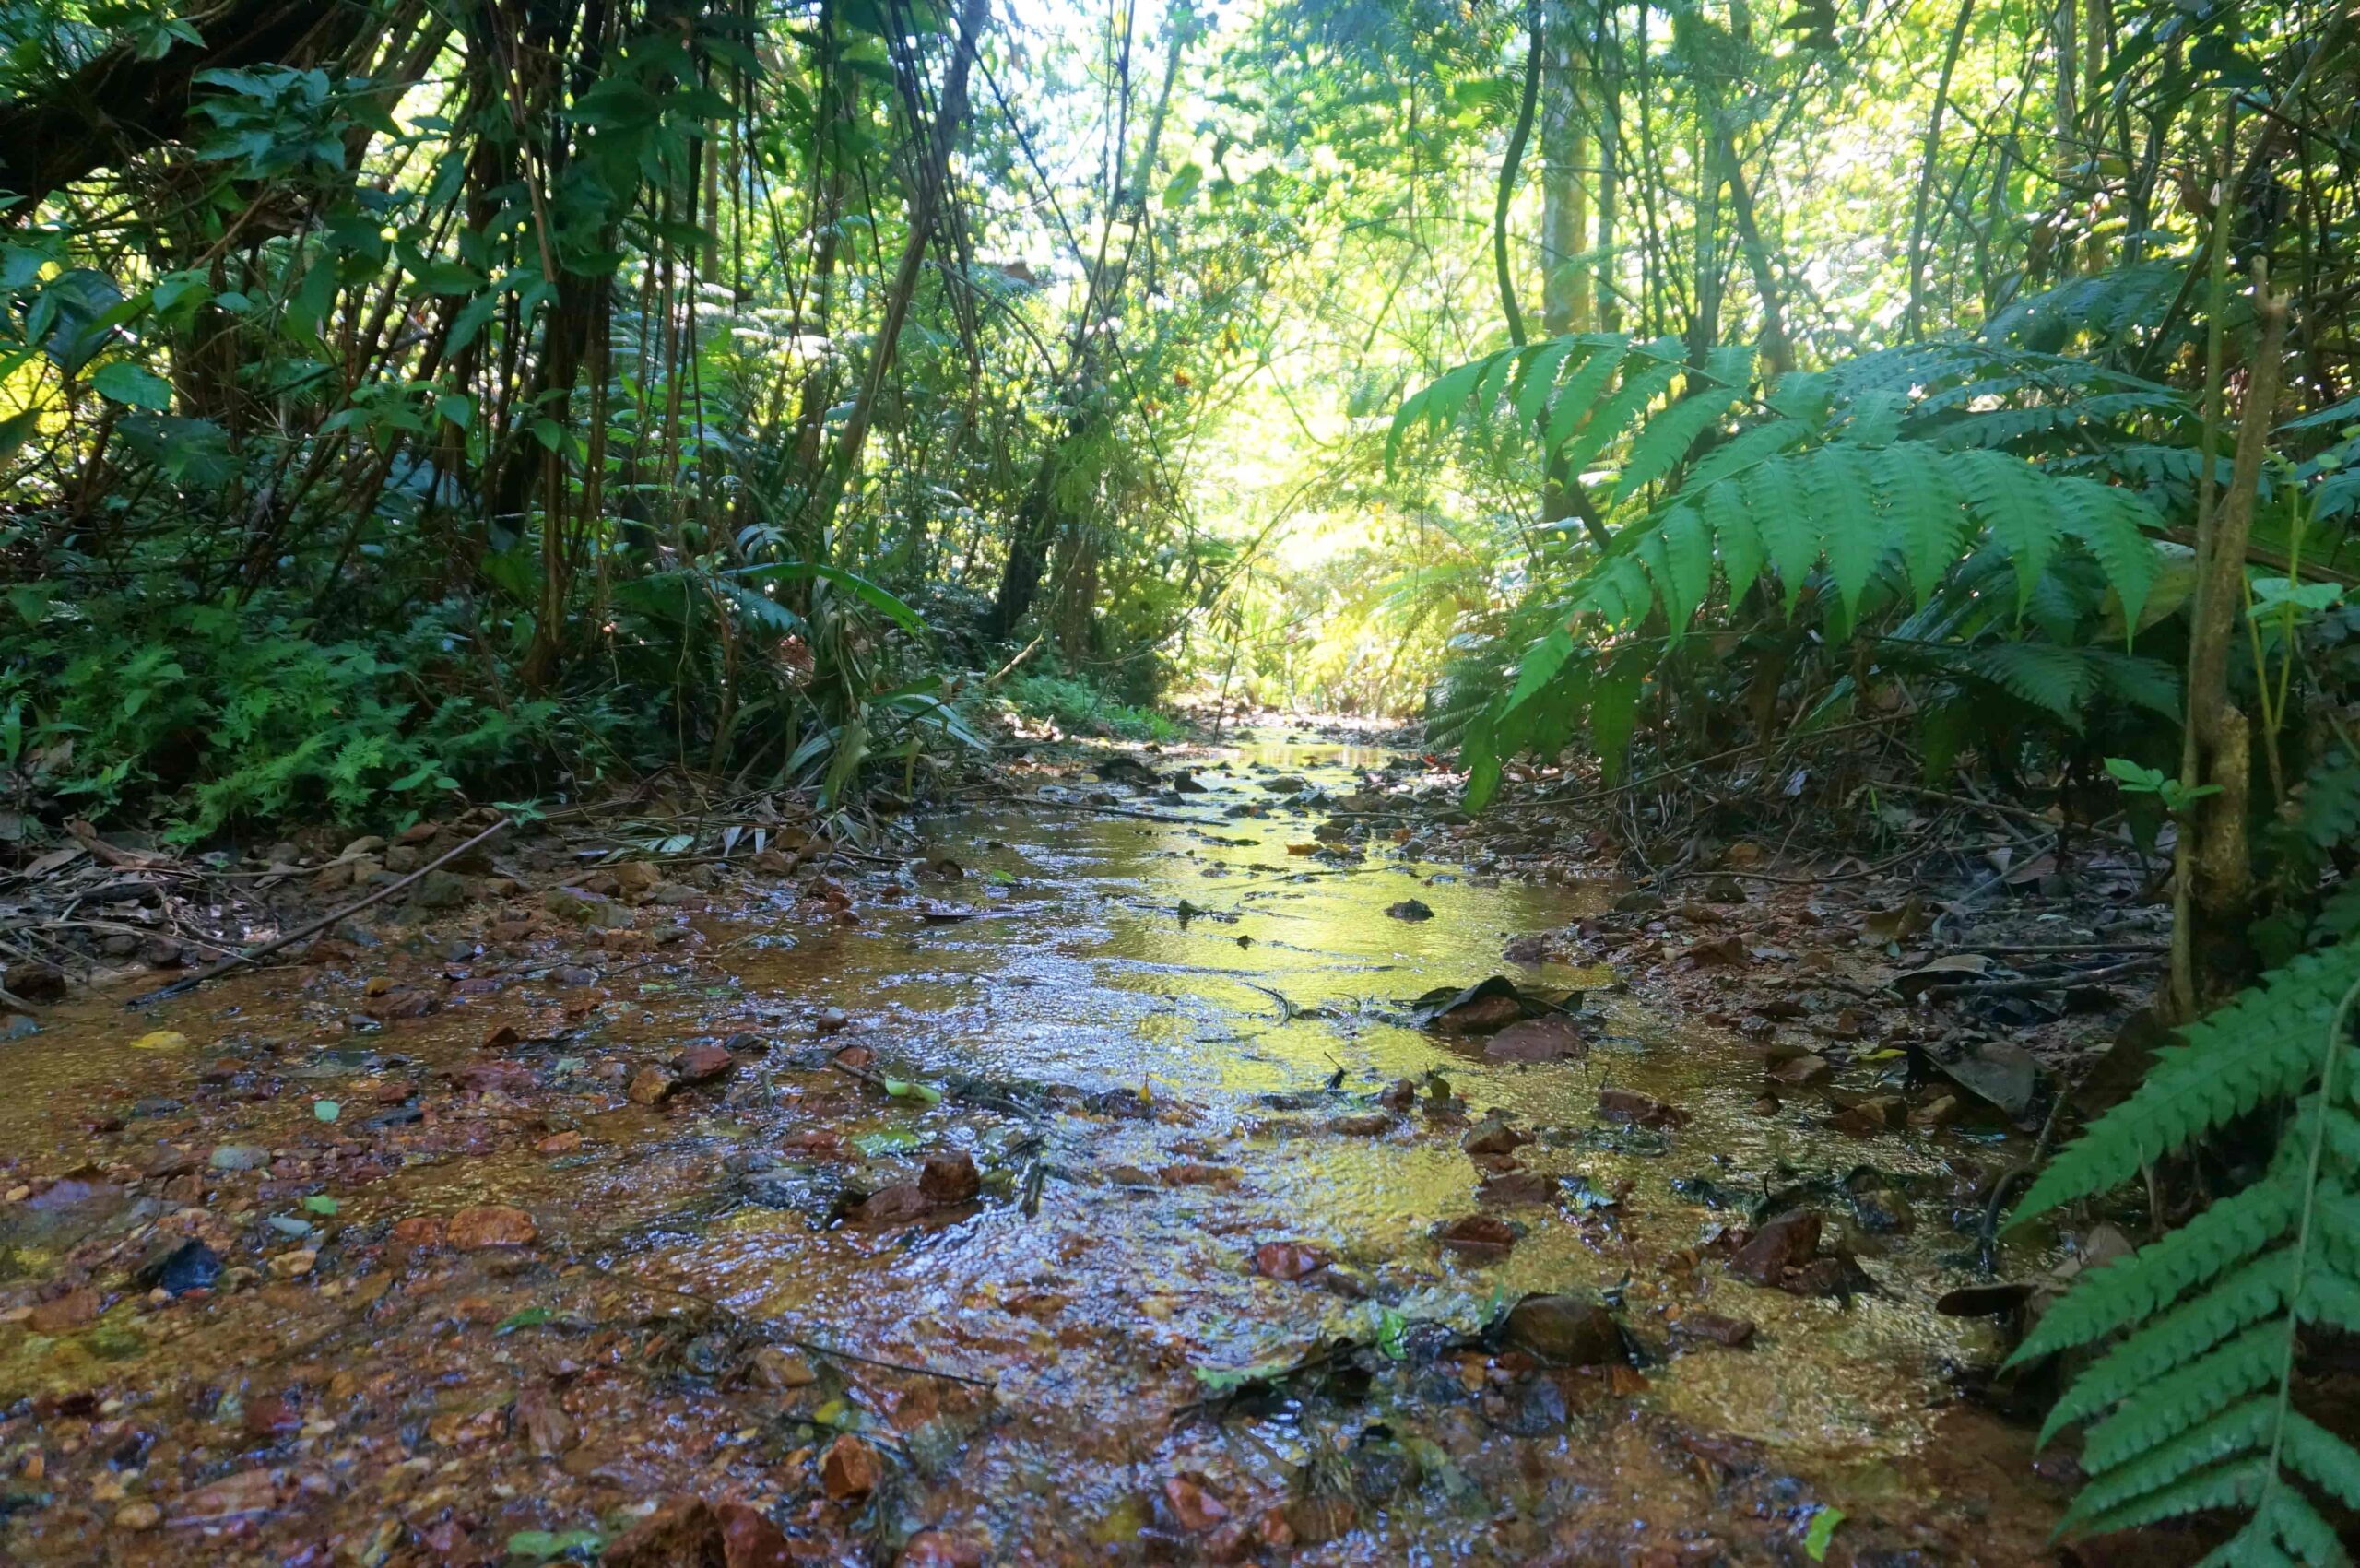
[2193,1408]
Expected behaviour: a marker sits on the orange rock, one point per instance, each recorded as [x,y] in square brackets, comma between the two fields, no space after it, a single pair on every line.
[491,1225]
[419,1230]
[850,1469]
[650,1085]
[750,1541]
[559,1143]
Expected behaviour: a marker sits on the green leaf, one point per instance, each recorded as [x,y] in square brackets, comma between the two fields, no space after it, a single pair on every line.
[1822,1533]
[320,1203]
[120,381]
[923,1093]
[327,1109]
[530,1317]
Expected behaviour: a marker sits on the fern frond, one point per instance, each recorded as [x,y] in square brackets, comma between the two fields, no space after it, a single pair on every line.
[2253,1360]
[2134,1288]
[2246,1296]
[2263,1045]
[1667,438]
[2242,1428]
[2323,1459]
[2237,1484]
[2057,679]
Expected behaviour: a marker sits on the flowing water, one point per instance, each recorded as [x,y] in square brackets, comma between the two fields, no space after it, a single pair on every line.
[1140,1026]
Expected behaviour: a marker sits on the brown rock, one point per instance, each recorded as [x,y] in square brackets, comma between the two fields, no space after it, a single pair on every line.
[748,1539]
[1400,1095]
[850,1469]
[500,1036]
[63,1314]
[35,981]
[1565,1331]
[1194,1505]
[138,1516]
[1629,1105]
[1368,1123]
[1803,1070]
[1192,1173]
[248,1491]
[1711,1328]
[1479,1237]
[1287,1260]
[422,1231]
[704,1064]
[650,1085]
[484,1077]
[558,1143]
[1785,1242]
[1878,1113]
[1517,1187]
[951,1179]
[684,1533]
[1552,1039]
[491,1225]
[1494,1136]
[893,1206]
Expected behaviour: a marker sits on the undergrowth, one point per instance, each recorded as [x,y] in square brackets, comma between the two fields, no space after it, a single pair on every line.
[1077,706]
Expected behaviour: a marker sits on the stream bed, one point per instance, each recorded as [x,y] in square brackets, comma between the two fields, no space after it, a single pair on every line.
[1136,1260]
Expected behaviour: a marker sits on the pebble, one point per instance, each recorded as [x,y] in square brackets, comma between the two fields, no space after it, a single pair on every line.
[138,1516]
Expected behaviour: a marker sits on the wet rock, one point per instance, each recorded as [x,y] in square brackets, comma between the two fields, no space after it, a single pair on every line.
[652,1085]
[1802,1070]
[1195,1507]
[1494,1136]
[1638,902]
[1783,1244]
[1410,909]
[1368,1124]
[1565,1330]
[1639,1110]
[779,1369]
[1479,1237]
[1287,1260]
[585,908]
[704,1064]
[292,1265]
[491,1225]
[1553,1039]
[34,980]
[558,1143]
[63,1314]
[439,891]
[1400,1095]
[136,1517]
[239,1157]
[849,1468]
[1724,889]
[485,1078]
[748,1539]
[188,1265]
[420,1232]
[1711,1328]
[683,1533]
[1517,1187]
[896,1205]
[248,1491]
[951,1179]
[1194,1173]
[573,976]
[1878,1113]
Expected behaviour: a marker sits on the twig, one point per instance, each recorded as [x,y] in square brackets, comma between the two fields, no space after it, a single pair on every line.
[2035,949]
[2033,987]
[815,1347]
[1880,867]
[215,971]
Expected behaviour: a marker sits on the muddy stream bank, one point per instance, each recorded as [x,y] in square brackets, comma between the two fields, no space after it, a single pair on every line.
[1081,1189]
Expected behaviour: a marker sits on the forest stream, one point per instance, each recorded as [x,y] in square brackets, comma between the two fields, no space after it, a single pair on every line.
[1168,1272]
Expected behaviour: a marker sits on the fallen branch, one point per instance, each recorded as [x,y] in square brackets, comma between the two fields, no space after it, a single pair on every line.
[215,971]
[2033,987]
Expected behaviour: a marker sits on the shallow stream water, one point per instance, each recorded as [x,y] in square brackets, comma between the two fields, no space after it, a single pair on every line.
[1146,1017]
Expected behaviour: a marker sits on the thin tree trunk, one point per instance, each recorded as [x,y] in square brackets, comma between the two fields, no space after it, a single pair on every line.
[1914,312]
[928,199]
[1510,167]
